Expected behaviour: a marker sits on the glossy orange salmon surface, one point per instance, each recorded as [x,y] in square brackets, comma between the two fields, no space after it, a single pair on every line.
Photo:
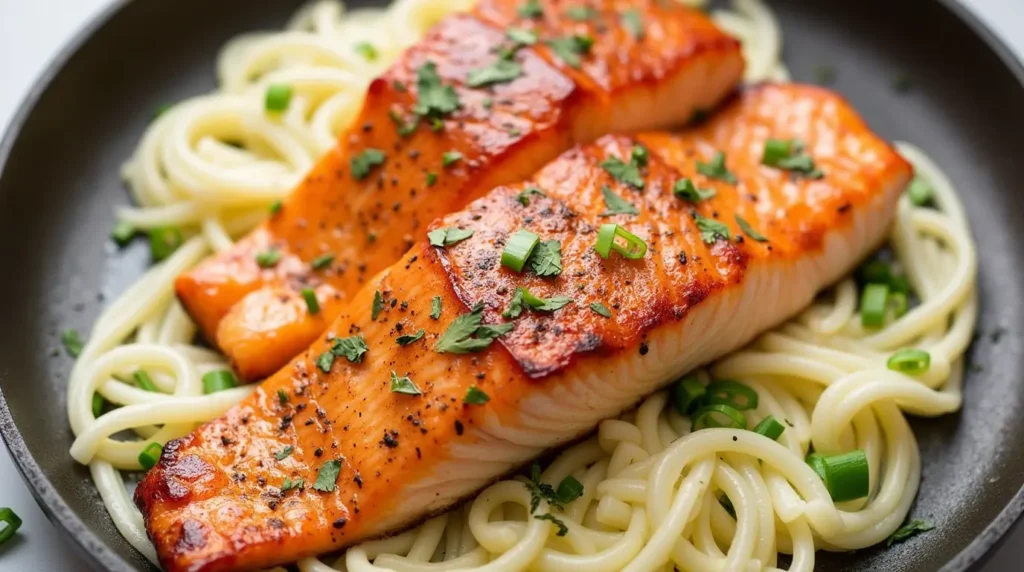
[485,99]
[433,381]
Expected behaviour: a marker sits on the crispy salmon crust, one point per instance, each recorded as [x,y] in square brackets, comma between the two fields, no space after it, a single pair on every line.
[216,500]
[679,63]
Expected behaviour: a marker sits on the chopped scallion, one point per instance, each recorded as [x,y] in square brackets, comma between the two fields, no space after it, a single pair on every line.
[150,455]
[11,523]
[163,241]
[518,249]
[711,416]
[687,395]
[144,382]
[278,96]
[218,380]
[910,361]
[607,241]
[770,428]
[309,295]
[873,303]
[845,476]
[731,393]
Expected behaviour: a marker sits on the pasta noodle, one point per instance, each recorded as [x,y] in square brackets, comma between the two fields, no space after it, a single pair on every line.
[652,488]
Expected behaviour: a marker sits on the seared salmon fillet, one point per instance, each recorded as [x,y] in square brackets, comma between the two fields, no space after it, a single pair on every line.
[326,453]
[483,100]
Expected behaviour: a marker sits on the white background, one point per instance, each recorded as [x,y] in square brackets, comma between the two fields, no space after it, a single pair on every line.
[31,32]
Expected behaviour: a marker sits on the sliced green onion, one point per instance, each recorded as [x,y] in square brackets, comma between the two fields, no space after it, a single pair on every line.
[910,361]
[920,192]
[847,476]
[873,302]
[875,272]
[268,258]
[311,302]
[732,393]
[164,241]
[218,380]
[770,428]
[97,404]
[322,261]
[150,455]
[899,304]
[144,382]
[279,95]
[122,232]
[569,490]
[12,523]
[711,416]
[634,248]
[687,395]
[518,249]
[775,150]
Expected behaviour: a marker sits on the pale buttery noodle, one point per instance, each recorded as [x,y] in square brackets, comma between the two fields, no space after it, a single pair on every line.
[213,164]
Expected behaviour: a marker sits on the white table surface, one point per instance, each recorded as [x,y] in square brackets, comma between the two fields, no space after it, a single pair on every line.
[31,32]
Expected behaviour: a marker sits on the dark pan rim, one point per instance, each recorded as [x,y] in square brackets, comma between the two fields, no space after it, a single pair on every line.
[97,551]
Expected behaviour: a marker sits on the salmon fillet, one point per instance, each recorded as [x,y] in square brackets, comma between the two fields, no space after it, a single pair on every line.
[219,498]
[413,156]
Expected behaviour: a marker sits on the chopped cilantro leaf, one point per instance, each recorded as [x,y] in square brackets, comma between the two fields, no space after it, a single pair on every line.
[407,339]
[546,258]
[325,361]
[522,36]
[686,190]
[711,230]
[530,9]
[524,197]
[351,348]
[912,528]
[749,230]
[467,333]
[450,157]
[616,204]
[435,308]
[475,396]
[403,385]
[363,163]
[327,476]
[626,173]
[284,453]
[434,99]
[571,48]
[448,236]
[377,306]
[501,71]
[600,309]
[716,169]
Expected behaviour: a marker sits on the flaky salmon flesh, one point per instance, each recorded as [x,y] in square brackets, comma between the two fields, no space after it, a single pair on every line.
[733,247]
[485,99]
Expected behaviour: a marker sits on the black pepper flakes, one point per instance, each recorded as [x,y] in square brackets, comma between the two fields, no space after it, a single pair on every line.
[644,349]
[459,428]
[339,523]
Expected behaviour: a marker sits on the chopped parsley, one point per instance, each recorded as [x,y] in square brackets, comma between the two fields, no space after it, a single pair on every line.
[327,476]
[562,528]
[450,157]
[475,396]
[515,306]
[325,361]
[912,528]
[580,13]
[407,339]
[435,308]
[626,173]
[522,37]
[546,258]
[431,178]
[501,71]
[633,22]
[711,230]
[524,197]
[282,396]
[749,230]
[441,237]
[377,306]
[615,204]
[366,50]
[571,49]
[289,484]
[686,190]
[364,162]
[284,453]
[544,304]
[72,342]
[530,9]
[403,385]
[434,98]
[405,127]
[268,258]
[352,348]
[467,333]
[600,309]
[322,261]
[789,155]
[716,169]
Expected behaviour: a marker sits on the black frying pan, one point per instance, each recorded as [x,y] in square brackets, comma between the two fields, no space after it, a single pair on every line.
[59,183]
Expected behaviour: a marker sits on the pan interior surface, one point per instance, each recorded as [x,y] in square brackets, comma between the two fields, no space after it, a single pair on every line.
[61,182]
